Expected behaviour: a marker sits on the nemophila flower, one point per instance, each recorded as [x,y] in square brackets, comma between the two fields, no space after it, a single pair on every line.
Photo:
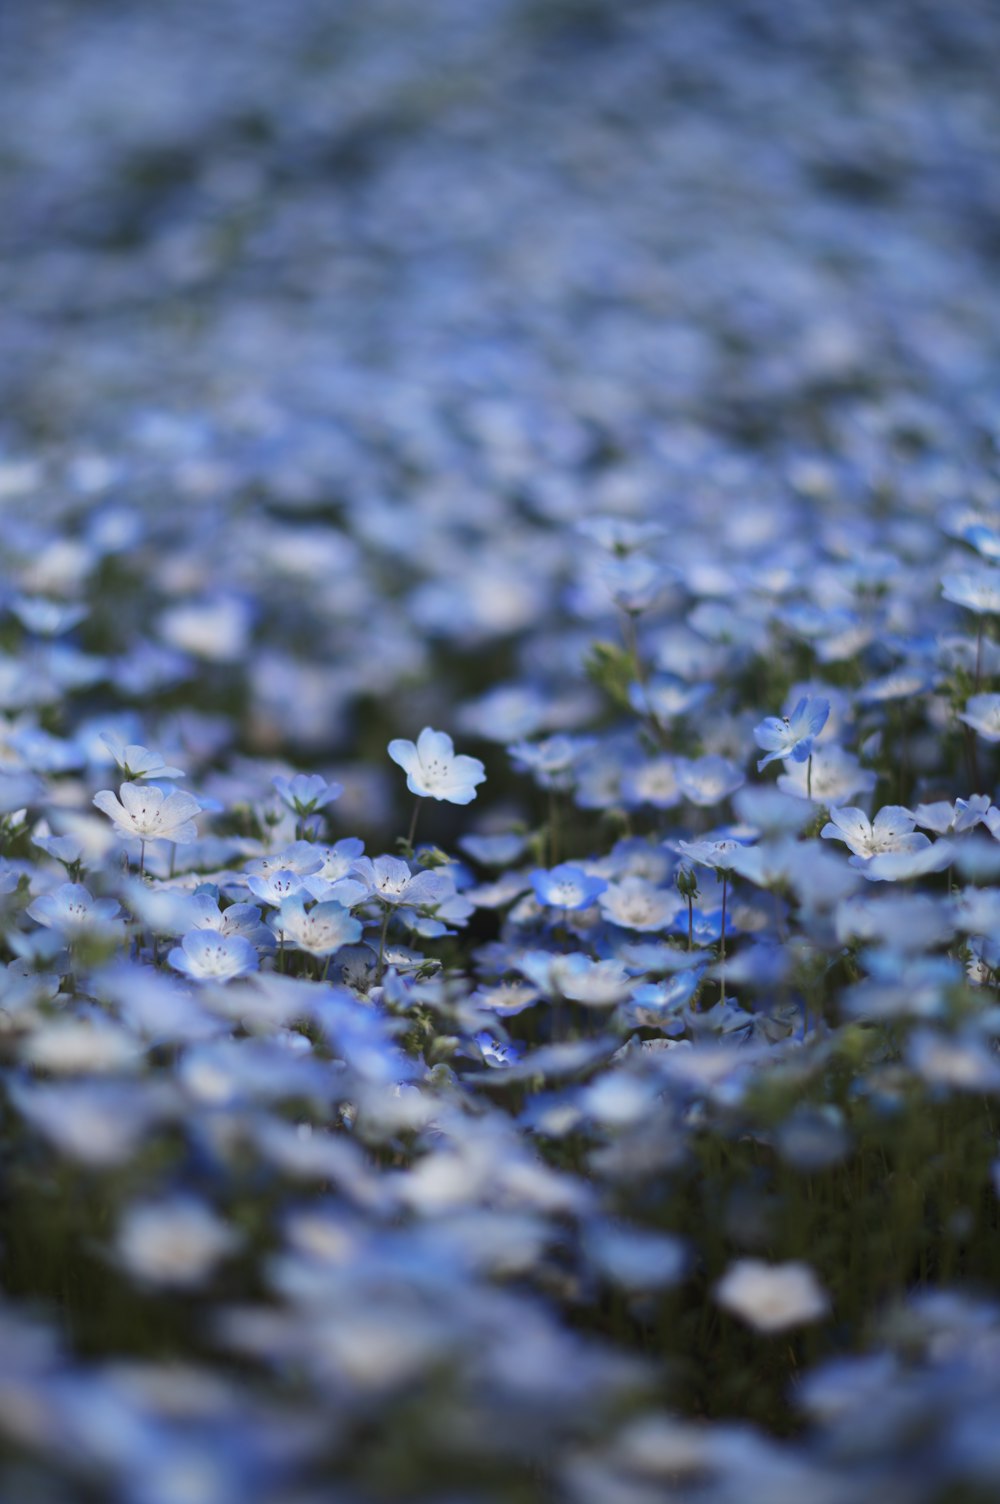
[47,618]
[634,581]
[792,736]
[666,697]
[903,866]
[620,536]
[65,849]
[891,830]
[903,921]
[660,1005]
[41,752]
[654,782]
[706,781]
[977,590]
[88,1045]
[176,1242]
[551,761]
[498,1054]
[275,886]
[306,793]
[577,977]
[390,880]
[982,713]
[599,773]
[318,931]
[900,684]
[508,710]
[73,910]
[901,986]
[985,540]
[635,1259]
[961,1063]
[237,919]
[336,860]
[769,810]
[635,904]
[99,1123]
[207,956]
[717,854]
[346,890]
[505,998]
[566,886]
[499,850]
[148,814]
[138,762]
[19,791]
[836,775]
[944,818]
[304,858]
[434,770]
[160,910]
[772,1297]
[456,910]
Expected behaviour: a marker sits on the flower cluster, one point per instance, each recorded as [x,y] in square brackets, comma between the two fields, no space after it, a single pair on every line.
[592,1098]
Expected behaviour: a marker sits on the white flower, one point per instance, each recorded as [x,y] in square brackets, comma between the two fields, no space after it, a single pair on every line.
[636,904]
[982,713]
[977,590]
[137,761]
[150,814]
[434,771]
[891,830]
[772,1297]
[836,774]
[174,1242]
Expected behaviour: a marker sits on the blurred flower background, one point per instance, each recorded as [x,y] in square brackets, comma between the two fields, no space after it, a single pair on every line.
[442,446]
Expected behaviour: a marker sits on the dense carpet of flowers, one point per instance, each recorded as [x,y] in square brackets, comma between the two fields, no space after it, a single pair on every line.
[499,704]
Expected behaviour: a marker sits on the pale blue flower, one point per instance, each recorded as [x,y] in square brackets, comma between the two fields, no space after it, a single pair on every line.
[434,770]
[982,713]
[207,956]
[792,736]
[306,793]
[566,886]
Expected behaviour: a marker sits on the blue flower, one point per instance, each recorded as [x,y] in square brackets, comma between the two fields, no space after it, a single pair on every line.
[306,792]
[566,886]
[792,736]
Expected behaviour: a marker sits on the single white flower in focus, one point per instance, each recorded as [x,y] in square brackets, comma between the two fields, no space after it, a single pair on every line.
[434,770]
[147,813]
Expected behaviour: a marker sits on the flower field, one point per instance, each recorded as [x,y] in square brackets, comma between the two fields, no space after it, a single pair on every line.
[499,721]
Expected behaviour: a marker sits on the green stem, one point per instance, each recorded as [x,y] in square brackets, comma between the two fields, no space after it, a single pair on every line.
[381,944]
[413,826]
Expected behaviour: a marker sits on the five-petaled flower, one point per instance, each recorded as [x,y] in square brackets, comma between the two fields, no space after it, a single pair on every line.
[147,813]
[792,735]
[434,770]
